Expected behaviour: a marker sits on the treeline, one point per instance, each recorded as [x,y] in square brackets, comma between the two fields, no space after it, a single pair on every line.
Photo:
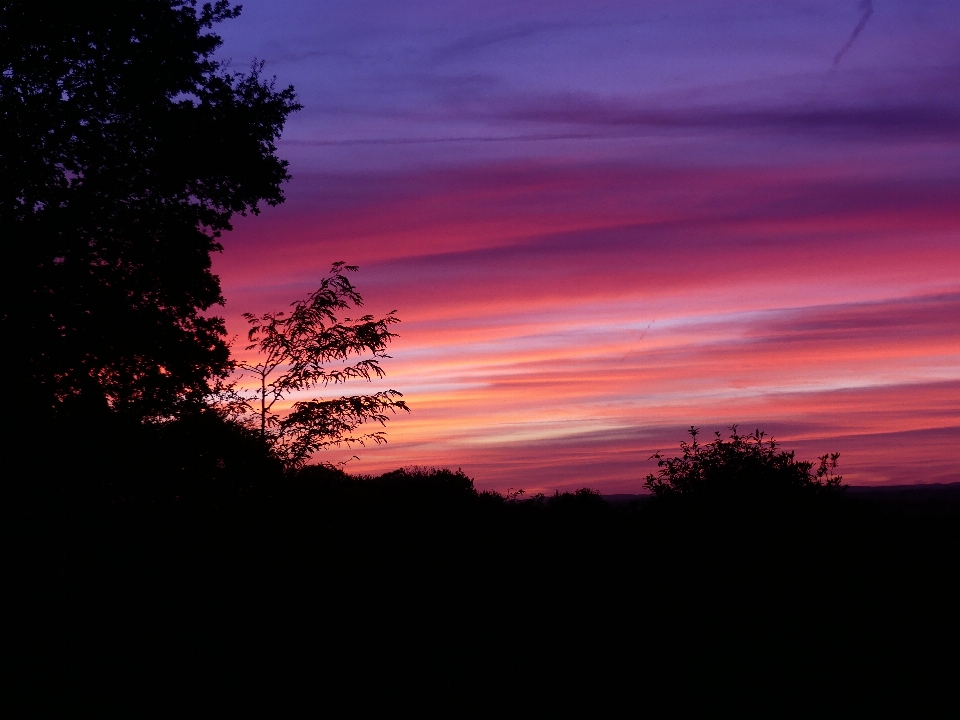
[182,567]
[415,590]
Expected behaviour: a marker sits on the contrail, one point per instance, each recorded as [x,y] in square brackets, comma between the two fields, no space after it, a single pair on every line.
[866,10]
[639,338]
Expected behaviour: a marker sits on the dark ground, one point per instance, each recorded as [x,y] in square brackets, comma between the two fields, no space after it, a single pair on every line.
[435,602]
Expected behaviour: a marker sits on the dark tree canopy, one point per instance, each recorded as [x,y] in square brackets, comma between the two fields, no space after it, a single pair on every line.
[126,150]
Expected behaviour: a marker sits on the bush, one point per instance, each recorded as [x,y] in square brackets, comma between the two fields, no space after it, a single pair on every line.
[741,469]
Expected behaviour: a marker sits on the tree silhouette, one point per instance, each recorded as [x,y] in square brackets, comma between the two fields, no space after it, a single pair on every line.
[126,150]
[295,350]
[741,468]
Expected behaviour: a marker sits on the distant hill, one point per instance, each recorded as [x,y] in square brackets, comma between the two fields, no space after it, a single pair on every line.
[942,496]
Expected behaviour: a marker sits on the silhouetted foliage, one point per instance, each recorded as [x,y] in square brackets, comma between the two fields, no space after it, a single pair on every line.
[209,461]
[112,461]
[295,352]
[584,499]
[741,468]
[413,489]
[126,150]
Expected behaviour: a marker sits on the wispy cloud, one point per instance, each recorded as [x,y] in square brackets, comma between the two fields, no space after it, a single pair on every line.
[539,137]
[490,38]
[865,120]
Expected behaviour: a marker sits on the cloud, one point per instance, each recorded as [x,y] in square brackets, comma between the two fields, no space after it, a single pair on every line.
[903,319]
[909,106]
[905,442]
[492,37]
[620,116]
[536,137]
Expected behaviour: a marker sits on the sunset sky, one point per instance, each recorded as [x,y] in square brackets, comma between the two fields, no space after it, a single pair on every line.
[603,222]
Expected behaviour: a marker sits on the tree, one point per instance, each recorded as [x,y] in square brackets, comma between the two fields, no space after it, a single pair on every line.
[295,350]
[126,150]
[741,468]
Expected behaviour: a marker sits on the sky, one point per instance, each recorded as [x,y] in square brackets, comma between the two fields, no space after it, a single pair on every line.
[602,223]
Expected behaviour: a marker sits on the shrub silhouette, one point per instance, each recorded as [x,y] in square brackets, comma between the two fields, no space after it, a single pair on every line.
[740,469]
[409,488]
[419,489]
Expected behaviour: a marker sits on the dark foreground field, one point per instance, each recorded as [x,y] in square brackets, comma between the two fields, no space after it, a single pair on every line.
[417,592]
